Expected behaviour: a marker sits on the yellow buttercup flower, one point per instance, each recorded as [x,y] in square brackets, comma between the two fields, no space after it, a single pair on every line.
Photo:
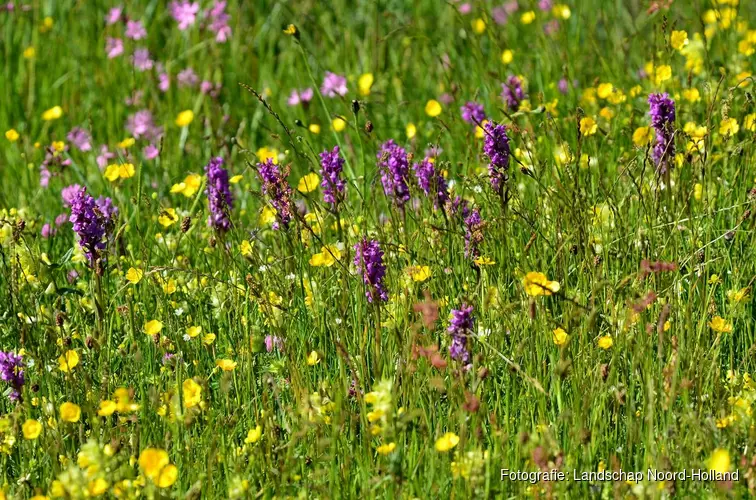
[588,126]
[313,358]
[191,392]
[156,466]
[226,365]
[327,256]
[528,17]
[560,337]
[385,449]
[365,83]
[605,342]
[107,408]
[719,461]
[729,127]
[69,412]
[190,185]
[411,130]
[153,327]
[338,124]
[68,361]
[507,56]
[52,114]
[253,435]
[678,39]
[643,136]
[446,442]
[419,273]
[193,331]
[119,171]
[134,275]
[11,135]
[168,217]
[308,183]
[536,284]
[185,118]
[433,108]
[31,429]
[691,95]
[314,128]
[720,325]
[479,26]
[662,74]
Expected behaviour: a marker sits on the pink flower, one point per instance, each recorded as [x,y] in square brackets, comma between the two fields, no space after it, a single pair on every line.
[114,15]
[164,82]
[218,21]
[465,8]
[141,60]
[187,78]
[113,47]
[185,13]
[104,157]
[333,85]
[151,152]
[135,30]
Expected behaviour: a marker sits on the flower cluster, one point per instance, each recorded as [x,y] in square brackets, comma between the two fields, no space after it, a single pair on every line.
[431,182]
[219,197]
[473,113]
[278,191]
[460,328]
[512,92]
[496,148]
[394,166]
[92,221]
[11,372]
[331,164]
[473,233]
[662,110]
[369,262]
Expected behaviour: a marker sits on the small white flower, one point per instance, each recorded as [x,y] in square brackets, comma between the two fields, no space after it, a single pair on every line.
[338,321]
[187,338]
[179,311]
[291,276]
[262,268]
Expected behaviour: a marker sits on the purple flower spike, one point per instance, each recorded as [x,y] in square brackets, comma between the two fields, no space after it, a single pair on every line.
[512,93]
[331,164]
[219,197]
[369,261]
[496,147]
[662,111]
[92,221]
[394,166]
[473,233]
[11,372]
[431,182]
[473,113]
[460,328]
[278,191]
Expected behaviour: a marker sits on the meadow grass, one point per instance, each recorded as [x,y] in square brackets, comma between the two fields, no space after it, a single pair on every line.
[580,301]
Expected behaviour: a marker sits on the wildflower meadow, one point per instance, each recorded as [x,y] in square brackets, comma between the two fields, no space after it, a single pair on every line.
[377,249]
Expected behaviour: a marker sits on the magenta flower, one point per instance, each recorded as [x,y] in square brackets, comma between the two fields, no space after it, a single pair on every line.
[218,21]
[187,78]
[104,157]
[333,85]
[219,197]
[496,148]
[303,97]
[662,111]
[92,220]
[114,15]
[277,190]
[368,259]
[460,328]
[150,152]
[113,47]
[135,30]
[141,60]
[331,164]
[164,81]
[394,166]
[12,373]
[80,138]
[142,125]
[184,13]
[512,92]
